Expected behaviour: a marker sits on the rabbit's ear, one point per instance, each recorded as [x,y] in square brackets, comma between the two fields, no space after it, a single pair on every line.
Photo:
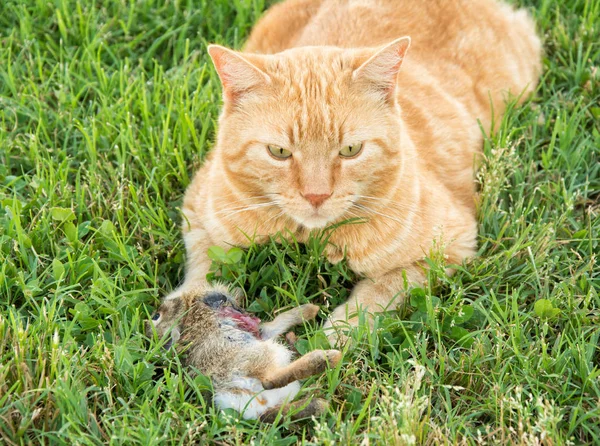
[215,299]
[175,335]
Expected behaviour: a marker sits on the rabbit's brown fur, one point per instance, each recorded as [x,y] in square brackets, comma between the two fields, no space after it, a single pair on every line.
[250,371]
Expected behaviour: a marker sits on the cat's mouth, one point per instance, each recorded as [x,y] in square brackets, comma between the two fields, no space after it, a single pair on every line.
[333,210]
[320,218]
[315,221]
[312,218]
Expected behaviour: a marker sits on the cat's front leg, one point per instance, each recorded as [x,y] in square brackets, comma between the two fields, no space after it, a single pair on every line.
[198,263]
[369,296]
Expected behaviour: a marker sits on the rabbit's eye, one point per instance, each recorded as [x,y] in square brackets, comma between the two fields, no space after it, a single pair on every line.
[156,316]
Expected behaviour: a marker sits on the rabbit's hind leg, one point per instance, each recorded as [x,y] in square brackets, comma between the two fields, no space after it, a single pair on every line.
[298,409]
[310,364]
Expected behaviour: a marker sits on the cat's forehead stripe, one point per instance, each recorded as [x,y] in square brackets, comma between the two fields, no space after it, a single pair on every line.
[312,90]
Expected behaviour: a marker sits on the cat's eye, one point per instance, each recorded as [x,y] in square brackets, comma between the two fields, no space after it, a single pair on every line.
[156,316]
[351,150]
[279,152]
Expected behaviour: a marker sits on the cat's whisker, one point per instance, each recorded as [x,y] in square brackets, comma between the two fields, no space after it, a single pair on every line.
[248,208]
[235,208]
[407,207]
[405,212]
[382,214]
[382,199]
[243,202]
[240,200]
[355,215]
[402,223]
[392,224]
[397,206]
[249,197]
[279,214]
[370,211]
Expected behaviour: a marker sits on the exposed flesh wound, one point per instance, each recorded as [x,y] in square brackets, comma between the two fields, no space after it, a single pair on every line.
[244,321]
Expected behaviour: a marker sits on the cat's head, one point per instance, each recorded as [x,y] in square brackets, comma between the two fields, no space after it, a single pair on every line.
[312,129]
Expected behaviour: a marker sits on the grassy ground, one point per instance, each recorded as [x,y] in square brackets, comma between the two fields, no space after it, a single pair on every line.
[106,110]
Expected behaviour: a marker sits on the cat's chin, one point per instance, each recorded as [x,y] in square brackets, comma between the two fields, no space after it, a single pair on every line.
[314,222]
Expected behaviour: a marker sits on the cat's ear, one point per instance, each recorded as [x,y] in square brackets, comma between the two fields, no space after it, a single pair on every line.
[381,69]
[238,73]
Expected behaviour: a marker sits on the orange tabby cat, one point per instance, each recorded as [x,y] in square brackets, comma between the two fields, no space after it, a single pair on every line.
[318,127]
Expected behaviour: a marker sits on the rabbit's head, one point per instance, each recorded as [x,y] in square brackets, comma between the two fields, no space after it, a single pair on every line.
[196,311]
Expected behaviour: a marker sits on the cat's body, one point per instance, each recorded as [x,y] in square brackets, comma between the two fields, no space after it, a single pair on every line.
[291,118]
[251,372]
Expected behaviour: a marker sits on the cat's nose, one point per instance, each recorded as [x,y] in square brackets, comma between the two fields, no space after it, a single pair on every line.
[316,199]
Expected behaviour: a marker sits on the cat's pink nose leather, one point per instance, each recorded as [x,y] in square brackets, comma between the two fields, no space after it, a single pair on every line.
[317,199]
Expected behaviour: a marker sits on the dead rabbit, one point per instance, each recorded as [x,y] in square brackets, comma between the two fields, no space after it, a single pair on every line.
[251,372]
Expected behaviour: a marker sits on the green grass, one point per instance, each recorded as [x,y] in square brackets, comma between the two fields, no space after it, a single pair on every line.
[106,110]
